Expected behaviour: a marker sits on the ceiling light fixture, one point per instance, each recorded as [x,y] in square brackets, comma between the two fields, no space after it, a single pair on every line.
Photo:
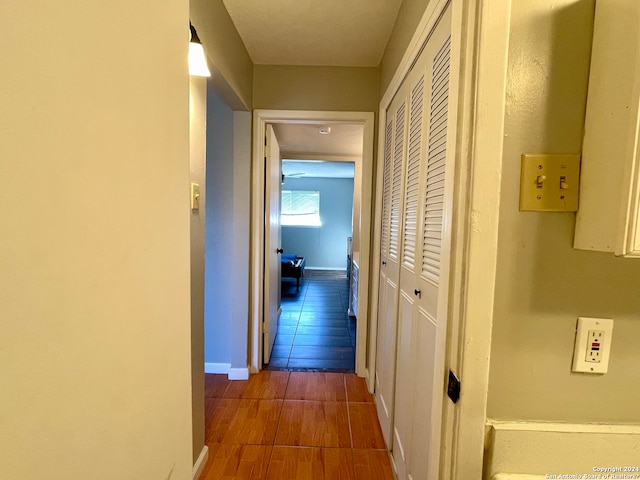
[197,59]
[324,130]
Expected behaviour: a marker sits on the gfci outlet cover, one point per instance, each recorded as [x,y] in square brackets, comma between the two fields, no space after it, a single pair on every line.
[549,183]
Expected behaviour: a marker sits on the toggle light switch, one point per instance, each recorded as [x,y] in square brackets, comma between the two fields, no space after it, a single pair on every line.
[563,183]
[549,183]
[195,196]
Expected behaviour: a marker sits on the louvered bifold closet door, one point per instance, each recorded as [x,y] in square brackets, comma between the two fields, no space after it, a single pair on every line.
[430,316]
[392,185]
[421,321]
[405,376]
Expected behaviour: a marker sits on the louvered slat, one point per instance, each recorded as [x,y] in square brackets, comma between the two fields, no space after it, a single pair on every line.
[396,186]
[386,189]
[436,158]
[413,176]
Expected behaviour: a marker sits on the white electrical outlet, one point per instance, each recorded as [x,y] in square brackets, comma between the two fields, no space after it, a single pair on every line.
[593,345]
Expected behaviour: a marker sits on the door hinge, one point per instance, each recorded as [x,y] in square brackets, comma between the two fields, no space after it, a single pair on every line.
[453,387]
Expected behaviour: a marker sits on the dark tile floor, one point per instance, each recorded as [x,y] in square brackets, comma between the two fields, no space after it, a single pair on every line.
[314,330]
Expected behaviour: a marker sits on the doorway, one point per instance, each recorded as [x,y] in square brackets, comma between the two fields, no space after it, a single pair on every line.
[316,329]
[363,174]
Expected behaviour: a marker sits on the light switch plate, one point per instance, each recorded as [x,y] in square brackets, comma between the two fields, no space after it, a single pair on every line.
[549,183]
[593,345]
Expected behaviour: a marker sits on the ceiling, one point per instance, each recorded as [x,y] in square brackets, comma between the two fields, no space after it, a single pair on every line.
[305,140]
[309,32]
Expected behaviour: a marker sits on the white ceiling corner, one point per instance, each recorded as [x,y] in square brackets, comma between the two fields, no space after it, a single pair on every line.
[304,141]
[308,32]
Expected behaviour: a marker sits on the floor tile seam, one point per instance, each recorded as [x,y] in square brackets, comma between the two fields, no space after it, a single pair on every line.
[349,418]
[319,447]
[353,461]
[266,474]
[275,436]
[346,389]
[311,446]
[313,400]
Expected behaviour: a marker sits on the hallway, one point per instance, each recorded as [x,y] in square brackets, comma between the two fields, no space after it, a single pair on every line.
[293,425]
[314,330]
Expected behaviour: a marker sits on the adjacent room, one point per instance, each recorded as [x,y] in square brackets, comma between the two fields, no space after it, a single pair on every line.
[316,329]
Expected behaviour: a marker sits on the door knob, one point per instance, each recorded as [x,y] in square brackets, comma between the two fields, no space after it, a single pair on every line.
[417,293]
[384,263]
[279,250]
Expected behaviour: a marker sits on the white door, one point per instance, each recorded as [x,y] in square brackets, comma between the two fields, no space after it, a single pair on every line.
[394,153]
[424,271]
[272,308]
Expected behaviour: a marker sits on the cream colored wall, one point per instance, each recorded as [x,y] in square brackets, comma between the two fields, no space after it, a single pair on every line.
[197,155]
[409,17]
[543,284]
[315,88]
[230,64]
[94,277]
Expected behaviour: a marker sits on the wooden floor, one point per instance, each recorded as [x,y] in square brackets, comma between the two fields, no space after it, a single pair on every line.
[293,425]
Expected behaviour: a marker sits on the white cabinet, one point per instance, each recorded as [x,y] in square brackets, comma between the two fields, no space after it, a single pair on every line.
[607,218]
[353,288]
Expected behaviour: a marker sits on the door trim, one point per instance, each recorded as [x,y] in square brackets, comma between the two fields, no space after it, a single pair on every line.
[480,35]
[363,181]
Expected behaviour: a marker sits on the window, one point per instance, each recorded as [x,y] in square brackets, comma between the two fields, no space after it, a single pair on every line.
[300,208]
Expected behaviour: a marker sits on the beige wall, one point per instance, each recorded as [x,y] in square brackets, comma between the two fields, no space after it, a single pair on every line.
[543,284]
[94,277]
[230,64]
[409,17]
[197,155]
[315,88]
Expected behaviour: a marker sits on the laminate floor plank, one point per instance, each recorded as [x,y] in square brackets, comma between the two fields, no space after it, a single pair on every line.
[372,465]
[267,385]
[365,429]
[290,463]
[215,384]
[244,421]
[357,389]
[237,462]
[316,386]
[314,424]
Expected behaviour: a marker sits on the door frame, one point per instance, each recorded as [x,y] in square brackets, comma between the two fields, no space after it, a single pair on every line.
[363,183]
[480,43]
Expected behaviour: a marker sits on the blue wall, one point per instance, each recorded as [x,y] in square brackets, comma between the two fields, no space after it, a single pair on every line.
[326,246]
[219,231]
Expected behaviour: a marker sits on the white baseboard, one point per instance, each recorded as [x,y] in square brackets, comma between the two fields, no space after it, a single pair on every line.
[201,462]
[217,367]
[239,373]
[537,448]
